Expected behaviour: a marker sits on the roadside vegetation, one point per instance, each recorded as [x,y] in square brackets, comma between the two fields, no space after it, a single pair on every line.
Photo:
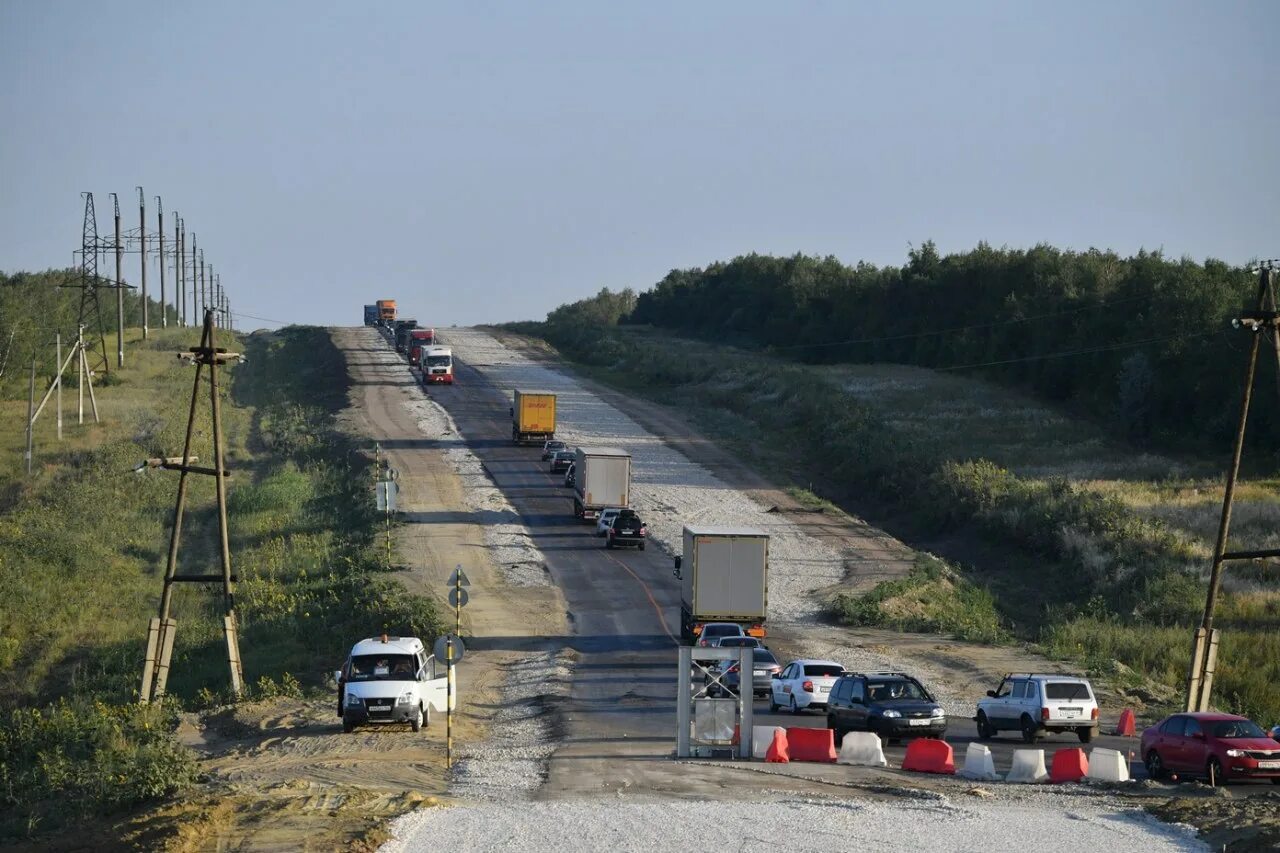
[1060,531]
[82,549]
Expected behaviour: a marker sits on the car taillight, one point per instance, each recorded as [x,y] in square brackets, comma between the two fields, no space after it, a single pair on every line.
[702,642]
[808,686]
[775,669]
[1093,715]
[1044,713]
[733,668]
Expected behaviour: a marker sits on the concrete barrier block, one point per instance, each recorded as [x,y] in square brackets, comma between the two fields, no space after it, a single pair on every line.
[812,745]
[1108,765]
[978,764]
[862,749]
[762,739]
[1028,766]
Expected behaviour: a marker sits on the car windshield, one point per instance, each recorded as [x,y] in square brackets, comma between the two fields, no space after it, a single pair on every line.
[1067,690]
[823,669]
[1237,729]
[381,668]
[764,656]
[730,642]
[895,690]
[556,445]
[563,455]
[722,631]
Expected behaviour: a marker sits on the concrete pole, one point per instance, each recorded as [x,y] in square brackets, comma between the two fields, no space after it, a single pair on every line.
[31,405]
[142,241]
[80,376]
[58,344]
[164,307]
[195,254]
[119,288]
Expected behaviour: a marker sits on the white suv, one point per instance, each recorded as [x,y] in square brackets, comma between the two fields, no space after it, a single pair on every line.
[1034,704]
[389,680]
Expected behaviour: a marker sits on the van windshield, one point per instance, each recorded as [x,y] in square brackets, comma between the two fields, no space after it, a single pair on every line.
[438,360]
[381,668]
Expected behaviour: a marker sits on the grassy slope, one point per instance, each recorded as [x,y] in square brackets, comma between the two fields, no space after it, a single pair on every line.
[1026,538]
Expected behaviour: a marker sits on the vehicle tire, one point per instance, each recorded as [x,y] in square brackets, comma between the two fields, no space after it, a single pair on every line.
[641,546]
[416,722]
[608,543]
[1275,780]
[1214,773]
[985,731]
[347,726]
[1155,765]
[795,709]
[1029,729]
[1085,735]
[773,706]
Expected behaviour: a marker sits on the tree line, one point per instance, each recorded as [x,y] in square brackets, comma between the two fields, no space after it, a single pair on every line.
[1142,342]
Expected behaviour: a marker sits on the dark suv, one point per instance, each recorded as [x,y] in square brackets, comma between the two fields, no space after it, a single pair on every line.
[627,529]
[892,704]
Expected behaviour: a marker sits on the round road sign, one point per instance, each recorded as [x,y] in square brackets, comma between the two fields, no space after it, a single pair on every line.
[442,653]
[458,597]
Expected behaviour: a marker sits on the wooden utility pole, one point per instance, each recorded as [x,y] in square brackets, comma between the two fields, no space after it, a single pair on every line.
[161,631]
[1264,321]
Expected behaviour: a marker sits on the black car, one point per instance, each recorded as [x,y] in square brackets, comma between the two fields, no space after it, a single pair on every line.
[627,529]
[561,460]
[892,704]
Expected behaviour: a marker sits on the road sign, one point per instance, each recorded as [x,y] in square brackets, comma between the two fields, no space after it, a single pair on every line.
[458,597]
[387,491]
[459,578]
[442,653]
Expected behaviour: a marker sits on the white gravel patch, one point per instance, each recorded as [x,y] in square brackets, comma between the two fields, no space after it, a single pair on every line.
[510,547]
[512,762]
[932,823]
[668,490]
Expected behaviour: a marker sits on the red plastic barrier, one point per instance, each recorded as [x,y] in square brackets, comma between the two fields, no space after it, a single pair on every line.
[1126,726]
[778,753]
[926,755]
[1069,765]
[812,745]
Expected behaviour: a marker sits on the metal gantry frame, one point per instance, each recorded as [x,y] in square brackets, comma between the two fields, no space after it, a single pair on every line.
[689,694]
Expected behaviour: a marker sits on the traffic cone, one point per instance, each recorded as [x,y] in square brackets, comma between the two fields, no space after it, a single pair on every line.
[1126,727]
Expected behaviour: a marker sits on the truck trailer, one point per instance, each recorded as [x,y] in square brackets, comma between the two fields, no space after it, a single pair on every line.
[533,417]
[724,577]
[437,365]
[602,478]
[386,312]
[371,315]
[400,334]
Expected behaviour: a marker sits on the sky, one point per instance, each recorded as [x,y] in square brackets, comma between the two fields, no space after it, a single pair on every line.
[482,162]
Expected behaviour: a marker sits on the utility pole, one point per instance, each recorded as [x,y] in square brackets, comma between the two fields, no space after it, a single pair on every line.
[1264,320]
[31,407]
[164,305]
[161,630]
[204,295]
[142,245]
[119,287]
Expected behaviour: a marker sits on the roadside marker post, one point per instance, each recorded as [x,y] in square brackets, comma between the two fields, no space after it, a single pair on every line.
[458,597]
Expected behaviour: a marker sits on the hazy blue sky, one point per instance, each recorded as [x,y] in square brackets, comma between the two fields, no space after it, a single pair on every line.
[487,161]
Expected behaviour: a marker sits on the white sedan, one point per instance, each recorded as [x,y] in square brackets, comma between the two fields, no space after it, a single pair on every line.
[607,515]
[804,684]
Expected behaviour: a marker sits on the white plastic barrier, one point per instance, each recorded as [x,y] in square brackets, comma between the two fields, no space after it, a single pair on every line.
[761,738]
[1028,766]
[1108,765]
[862,749]
[978,764]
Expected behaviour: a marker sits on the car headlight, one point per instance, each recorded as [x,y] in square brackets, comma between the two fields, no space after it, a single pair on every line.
[937,712]
[353,700]
[1235,753]
[405,699]
[891,714]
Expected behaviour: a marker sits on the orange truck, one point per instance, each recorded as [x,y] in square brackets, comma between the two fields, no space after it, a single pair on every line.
[386,312]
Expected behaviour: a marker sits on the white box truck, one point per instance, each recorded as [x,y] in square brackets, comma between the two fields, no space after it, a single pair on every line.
[724,577]
[602,478]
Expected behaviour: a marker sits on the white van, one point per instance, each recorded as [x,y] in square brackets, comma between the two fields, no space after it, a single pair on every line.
[389,680]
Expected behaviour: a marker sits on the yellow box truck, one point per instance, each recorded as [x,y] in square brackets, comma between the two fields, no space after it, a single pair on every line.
[533,417]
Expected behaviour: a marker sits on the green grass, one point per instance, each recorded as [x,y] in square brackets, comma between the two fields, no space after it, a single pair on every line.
[83,546]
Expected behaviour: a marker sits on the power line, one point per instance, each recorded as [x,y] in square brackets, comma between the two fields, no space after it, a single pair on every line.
[1086,351]
[991,325]
[263,319]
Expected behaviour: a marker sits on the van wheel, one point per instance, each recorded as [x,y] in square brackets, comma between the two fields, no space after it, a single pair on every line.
[416,722]
[985,731]
[347,726]
[1085,735]
[1029,729]
[641,546]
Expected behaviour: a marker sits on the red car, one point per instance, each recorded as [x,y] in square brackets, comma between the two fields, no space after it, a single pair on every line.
[1223,747]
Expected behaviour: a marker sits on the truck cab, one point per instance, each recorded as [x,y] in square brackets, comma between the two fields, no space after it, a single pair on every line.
[386,312]
[371,315]
[437,365]
[389,680]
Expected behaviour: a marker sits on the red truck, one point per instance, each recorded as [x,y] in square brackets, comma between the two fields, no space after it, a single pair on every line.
[418,339]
